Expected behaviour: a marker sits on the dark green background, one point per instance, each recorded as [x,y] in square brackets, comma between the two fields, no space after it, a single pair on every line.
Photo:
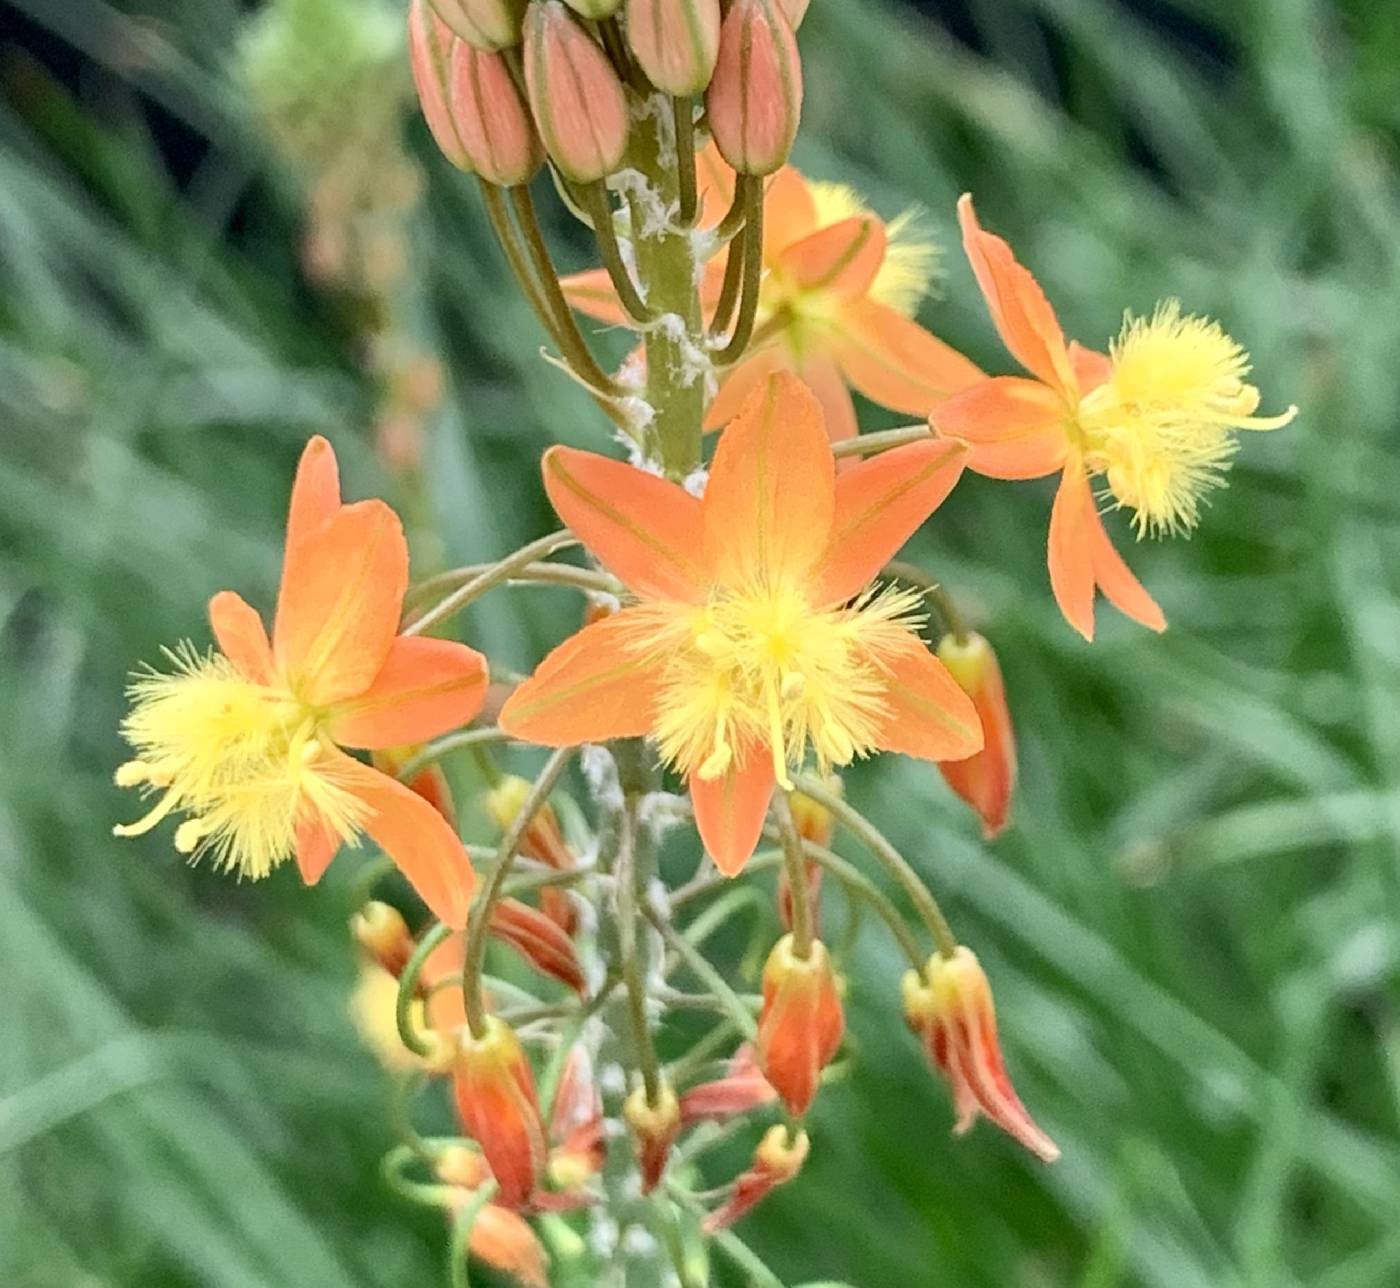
[1192,926]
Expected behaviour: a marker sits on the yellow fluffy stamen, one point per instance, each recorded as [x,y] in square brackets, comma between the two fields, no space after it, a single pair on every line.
[1161,429]
[243,761]
[758,666]
[911,257]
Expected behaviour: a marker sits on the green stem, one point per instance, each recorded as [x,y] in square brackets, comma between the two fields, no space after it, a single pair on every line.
[478,927]
[416,1042]
[510,243]
[462,1225]
[441,747]
[683,114]
[753,272]
[795,865]
[740,1015]
[933,589]
[628,899]
[729,286]
[596,203]
[883,441]
[543,574]
[899,867]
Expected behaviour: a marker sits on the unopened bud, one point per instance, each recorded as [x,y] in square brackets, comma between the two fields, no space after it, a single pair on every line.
[794,11]
[491,121]
[655,1128]
[575,94]
[742,1088]
[543,840]
[594,9]
[540,940]
[382,932]
[487,24]
[755,97]
[801,1023]
[430,45]
[985,781]
[495,1094]
[778,1158]
[675,42]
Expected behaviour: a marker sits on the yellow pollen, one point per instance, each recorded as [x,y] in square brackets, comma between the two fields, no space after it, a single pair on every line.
[244,762]
[758,669]
[1161,429]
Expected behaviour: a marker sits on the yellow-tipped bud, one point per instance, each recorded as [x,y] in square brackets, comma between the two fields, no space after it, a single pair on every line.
[655,1128]
[382,932]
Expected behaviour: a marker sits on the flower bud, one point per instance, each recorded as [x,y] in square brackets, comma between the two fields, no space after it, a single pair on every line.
[743,1088]
[813,823]
[382,932]
[504,1241]
[538,939]
[755,97]
[655,1128]
[778,1158]
[543,840]
[985,781]
[575,94]
[487,24]
[950,1007]
[491,121]
[675,42]
[430,782]
[495,1093]
[576,1123]
[594,9]
[430,44]
[801,1023]
[794,11]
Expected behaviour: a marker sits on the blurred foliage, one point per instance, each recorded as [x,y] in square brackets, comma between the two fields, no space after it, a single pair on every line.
[1192,928]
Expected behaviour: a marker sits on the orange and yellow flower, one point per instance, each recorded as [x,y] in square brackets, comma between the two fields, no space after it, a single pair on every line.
[1155,419]
[246,740]
[836,304]
[755,631]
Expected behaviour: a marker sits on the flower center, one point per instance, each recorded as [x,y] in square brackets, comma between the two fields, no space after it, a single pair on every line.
[1161,429]
[759,669]
[243,761]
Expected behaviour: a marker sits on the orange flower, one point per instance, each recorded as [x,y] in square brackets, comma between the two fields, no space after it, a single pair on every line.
[835,307]
[1154,418]
[985,781]
[742,1088]
[246,740]
[500,1237]
[950,1007]
[756,631]
[778,1158]
[800,1026]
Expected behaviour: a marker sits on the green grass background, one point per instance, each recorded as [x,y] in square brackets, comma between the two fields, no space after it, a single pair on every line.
[1192,927]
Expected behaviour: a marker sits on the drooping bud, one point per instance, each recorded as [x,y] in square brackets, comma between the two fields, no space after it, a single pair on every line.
[487,24]
[950,1007]
[594,9]
[384,935]
[495,1093]
[985,781]
[755,96]
[429,782]
[430,44]
[778,1158]
[576,1123]
[538,939]
[800,1026]
[654,1128]
[814,823]
[491,120]
[501,1238]
[742,1088]
[543,840]
[575,95]
[675,42]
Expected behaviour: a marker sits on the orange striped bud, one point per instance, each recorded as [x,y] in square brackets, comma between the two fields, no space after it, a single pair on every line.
[801,1023]
[487,24]
[495,1094]
[576,1123]
[543,840]
[950,1007]
[675,42]
[755,97]
[504,1241]
[741,1089]
[384,935]
[491,120]
[594,9]
[813,823]
[985,781]
[538,939]
[654,1128]
[430,44]
[778,1158]
[575,94]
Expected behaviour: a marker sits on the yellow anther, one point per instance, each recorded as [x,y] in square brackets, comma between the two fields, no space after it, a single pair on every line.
[133,773]
[716,762]
[190,833]
[794,685]
[711,643]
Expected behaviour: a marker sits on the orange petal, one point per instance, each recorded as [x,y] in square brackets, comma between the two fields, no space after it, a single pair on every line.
[342,592]
[594,686]
[1071,553]
[1018,306]
[591,293]
[424,688]
[737,385]
[416,837]
[1124,591]
[789,211]
[1014,428]
[642,528]
[929,715]
[315,491]
[825,381]
[1091,368]
[316,847]
[893,361]
[729,811]
[241,636]
[769,502]
[879,504]
[842,258]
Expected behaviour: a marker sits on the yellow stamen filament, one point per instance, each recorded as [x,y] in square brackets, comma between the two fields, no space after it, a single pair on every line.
[1161,429]
[758,669]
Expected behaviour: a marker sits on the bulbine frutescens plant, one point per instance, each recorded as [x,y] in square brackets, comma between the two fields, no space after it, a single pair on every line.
[746,631]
